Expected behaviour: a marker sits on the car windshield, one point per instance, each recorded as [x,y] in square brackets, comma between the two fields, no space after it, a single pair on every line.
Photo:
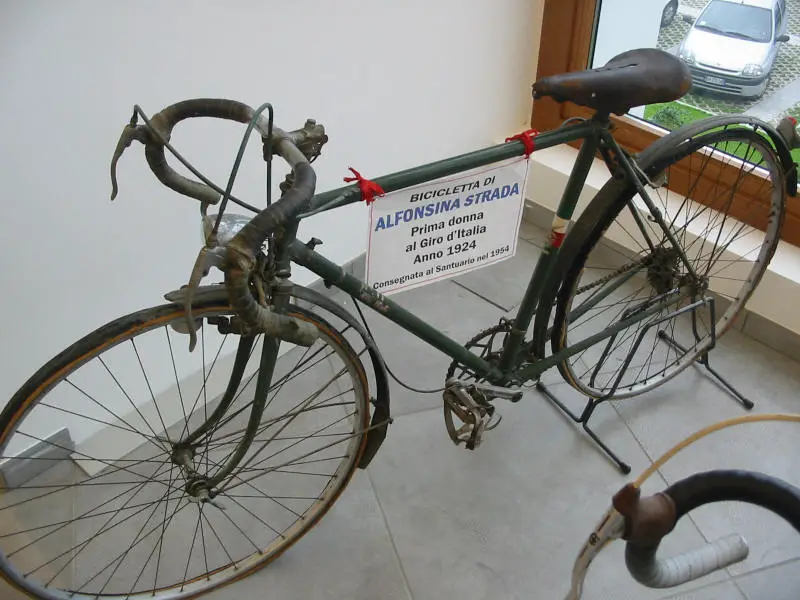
[737,20]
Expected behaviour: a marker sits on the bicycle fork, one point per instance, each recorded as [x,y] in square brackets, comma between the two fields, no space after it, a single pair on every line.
[201,487]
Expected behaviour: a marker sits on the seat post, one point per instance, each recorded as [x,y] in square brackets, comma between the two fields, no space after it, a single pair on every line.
[603,118]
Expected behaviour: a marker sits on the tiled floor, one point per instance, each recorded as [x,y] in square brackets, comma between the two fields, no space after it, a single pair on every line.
[429,520]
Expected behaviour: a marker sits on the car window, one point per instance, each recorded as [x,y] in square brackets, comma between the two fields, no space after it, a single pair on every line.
[737,21]
[778,15]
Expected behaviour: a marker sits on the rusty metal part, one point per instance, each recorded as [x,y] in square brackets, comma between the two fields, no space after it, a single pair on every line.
[648,519]
[472,409]
[633,78]
[310,139]
[130,133]
[788,130]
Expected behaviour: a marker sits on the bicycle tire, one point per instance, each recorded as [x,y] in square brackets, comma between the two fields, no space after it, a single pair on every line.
[587,236]
[33,394]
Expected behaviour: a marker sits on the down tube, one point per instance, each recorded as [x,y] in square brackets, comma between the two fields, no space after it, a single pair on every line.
[334,275]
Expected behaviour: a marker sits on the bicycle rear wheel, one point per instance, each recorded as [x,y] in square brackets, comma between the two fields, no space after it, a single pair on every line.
[619,270]
[95,503]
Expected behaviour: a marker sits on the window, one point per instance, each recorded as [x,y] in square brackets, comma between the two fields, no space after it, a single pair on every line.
[717,39]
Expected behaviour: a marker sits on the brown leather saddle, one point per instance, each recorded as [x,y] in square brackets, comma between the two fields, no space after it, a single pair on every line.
[633,78]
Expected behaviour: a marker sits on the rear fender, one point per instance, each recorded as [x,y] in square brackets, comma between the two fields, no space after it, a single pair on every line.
[651,153]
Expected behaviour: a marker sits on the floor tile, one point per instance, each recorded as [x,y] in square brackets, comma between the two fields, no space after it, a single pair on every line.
[535,233]
[9,593]
[504,283]
[507,520]
[773,335]
[347,556]
[776,583]
[719,591]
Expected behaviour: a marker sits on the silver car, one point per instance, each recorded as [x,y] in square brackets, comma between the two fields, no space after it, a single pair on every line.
[732,45]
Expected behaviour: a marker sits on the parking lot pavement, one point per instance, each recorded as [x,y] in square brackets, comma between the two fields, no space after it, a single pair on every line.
[783,91]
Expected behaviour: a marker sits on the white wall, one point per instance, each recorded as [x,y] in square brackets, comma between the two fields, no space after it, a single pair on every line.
[396,84]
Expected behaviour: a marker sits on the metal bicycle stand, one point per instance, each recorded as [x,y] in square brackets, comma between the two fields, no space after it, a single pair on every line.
[591,405]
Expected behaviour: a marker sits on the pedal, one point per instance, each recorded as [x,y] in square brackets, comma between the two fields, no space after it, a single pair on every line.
[471,407]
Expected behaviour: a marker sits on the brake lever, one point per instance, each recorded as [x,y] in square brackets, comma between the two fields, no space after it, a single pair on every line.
[611,527]
[131,132]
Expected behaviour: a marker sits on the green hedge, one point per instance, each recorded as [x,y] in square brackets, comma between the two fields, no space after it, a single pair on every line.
[673,115]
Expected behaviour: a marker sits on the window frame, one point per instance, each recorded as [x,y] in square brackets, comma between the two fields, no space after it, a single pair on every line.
[566,44]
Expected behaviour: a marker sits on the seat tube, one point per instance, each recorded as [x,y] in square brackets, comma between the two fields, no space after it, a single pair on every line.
[542,274]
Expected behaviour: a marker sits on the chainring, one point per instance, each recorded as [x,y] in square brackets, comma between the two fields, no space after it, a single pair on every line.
[491,342]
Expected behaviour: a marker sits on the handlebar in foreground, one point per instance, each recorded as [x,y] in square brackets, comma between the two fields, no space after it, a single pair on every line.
[644,522]
[648,520]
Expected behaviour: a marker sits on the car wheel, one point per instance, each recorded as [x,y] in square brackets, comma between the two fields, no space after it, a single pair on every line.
[669,12]
[766,87]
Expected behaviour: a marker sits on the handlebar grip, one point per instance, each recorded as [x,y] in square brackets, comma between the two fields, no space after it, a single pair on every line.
[654,572]
[164,121]
[684,496]
[240,259]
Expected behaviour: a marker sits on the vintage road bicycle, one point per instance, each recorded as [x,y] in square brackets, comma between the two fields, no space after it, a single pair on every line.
[197,440]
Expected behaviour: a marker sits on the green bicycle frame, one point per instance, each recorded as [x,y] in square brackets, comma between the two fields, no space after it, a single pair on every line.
[591,132]
[289,249]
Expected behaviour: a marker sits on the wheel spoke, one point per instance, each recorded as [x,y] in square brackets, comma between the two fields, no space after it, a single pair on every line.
[136,544]
[155,439]
[709,223]
[121,528]
[303,403]
[150,389]
[270,469]
[130,401]
[59,488]
[177,379]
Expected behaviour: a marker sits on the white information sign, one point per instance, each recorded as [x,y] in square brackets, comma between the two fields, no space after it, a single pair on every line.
[445,228]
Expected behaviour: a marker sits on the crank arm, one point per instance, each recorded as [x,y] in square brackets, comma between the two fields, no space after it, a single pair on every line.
[495,391]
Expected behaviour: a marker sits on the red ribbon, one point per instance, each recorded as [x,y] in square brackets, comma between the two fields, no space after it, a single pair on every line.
[369,189]
[526,137]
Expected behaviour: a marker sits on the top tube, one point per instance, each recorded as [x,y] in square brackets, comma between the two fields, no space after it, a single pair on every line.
[457,164]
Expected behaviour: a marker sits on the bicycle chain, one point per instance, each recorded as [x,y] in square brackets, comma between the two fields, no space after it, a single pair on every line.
[604,280]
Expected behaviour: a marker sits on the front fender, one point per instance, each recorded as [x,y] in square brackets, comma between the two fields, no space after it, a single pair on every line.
[381,415]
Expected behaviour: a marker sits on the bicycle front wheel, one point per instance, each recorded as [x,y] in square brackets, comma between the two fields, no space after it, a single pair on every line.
[98,500]
[671,285]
